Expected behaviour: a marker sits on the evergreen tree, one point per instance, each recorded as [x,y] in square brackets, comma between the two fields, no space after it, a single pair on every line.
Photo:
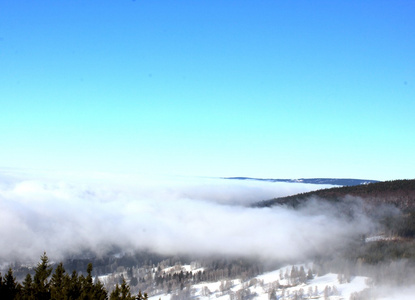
[121,292]
[10,286]
[87,285]
[1,286]
[58,283]
[310,274]
[272,295]
[302,275]
[115,294]
[99,292]
[141,296]
[74,286]
[27,291]
[42,273]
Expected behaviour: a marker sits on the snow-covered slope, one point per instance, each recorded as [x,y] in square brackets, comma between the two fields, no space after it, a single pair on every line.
[273,285]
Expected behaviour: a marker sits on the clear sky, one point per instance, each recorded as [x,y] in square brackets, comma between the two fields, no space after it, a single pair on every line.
[282,89]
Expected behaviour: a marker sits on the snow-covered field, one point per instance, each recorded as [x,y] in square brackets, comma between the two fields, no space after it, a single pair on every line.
[274,283]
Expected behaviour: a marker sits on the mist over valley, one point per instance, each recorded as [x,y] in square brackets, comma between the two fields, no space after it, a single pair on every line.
[124,223]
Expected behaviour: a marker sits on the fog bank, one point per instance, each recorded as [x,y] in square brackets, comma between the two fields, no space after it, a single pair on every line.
[69,215]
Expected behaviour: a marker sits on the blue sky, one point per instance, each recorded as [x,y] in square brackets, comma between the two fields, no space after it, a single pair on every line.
[277,89]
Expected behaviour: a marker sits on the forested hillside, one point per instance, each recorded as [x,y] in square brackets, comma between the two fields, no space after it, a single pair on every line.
[400,193]
[390,205]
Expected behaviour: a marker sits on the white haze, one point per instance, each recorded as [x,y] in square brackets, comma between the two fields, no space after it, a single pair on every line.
[67,215]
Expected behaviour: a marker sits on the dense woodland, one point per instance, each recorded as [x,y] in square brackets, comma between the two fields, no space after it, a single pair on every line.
[58,285]
[391,204]
[399,193]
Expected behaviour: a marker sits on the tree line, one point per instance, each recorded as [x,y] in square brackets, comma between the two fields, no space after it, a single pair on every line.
[47,284]
[399,193]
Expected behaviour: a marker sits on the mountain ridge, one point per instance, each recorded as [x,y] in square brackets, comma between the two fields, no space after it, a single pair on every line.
[331,181]
[400,193]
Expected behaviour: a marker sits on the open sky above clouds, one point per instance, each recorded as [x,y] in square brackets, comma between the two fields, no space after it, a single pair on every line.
[209,88]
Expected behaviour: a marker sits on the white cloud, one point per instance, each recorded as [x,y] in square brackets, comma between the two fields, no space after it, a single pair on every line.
[168,215]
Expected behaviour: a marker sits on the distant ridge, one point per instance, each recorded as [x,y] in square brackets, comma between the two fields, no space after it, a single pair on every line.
[332,181]
[400,193]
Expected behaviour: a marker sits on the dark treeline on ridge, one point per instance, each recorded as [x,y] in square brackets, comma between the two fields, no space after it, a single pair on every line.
[377,200]
[400,193]
[332,181]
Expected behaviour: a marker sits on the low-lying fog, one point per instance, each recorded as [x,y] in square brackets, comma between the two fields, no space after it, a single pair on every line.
[66,214]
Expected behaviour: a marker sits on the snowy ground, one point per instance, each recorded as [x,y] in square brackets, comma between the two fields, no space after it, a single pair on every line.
[260,286]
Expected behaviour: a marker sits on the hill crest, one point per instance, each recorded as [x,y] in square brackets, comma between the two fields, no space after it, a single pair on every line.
[329,181]
[400,193]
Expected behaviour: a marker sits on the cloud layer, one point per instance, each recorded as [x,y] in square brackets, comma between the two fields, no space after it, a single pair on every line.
[69,215]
